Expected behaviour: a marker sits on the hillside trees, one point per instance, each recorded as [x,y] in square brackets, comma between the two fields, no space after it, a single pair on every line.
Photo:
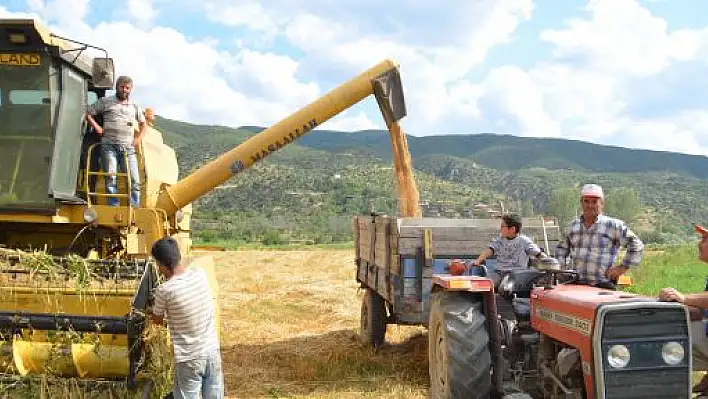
[623,203]
[564,204]
[309,190]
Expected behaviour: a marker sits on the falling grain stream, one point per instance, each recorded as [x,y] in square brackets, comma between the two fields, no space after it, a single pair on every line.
[405,182]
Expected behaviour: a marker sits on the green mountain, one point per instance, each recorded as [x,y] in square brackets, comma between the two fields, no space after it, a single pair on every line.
[506,152]
[309,189]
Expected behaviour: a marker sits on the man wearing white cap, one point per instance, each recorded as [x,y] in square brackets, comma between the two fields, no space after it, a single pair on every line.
[699,329]
[593,242]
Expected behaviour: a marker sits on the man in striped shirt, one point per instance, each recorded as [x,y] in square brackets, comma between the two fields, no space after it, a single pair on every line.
[186,301]
[593,242]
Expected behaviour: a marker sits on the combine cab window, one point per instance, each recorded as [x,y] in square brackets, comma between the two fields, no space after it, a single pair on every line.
[28,97]
[25,135]
[67,143]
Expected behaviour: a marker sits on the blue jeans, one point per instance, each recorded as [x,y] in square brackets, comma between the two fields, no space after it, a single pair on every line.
[202,375]
[112,157]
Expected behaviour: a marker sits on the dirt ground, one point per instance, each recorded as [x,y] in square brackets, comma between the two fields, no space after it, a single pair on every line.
[289,329]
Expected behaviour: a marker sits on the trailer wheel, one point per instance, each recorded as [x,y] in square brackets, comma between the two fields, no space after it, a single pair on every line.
[459,361]
[373,319]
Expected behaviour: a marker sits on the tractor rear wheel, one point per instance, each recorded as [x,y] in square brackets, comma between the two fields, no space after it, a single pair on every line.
[459,361]
[373,319]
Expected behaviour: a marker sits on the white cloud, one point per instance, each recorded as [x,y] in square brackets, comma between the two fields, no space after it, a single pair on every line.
[613,43]
[64,12]
[673,134]
[436,46]
[249,14]
[262,74]
[519,100]
[349,121]
[260,25]
[142,12]
[307,32]
[589,88]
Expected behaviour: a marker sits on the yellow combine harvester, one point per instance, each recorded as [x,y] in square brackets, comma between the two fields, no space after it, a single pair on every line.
[76,276]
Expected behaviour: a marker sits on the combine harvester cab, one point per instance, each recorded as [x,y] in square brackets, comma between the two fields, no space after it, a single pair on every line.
[540,334]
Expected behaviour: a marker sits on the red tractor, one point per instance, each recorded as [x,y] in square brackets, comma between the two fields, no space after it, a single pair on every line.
[544,335]
[539,333]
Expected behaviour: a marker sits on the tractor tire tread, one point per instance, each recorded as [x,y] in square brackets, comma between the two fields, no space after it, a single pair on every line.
[467,343]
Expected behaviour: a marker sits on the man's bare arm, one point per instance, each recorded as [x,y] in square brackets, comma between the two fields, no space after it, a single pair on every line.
[142,127]
[141,131]
[697,300]
[158,308]
[94,124]
[483,256]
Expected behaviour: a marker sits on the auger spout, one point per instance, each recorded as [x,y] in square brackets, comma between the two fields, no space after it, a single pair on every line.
[382,80]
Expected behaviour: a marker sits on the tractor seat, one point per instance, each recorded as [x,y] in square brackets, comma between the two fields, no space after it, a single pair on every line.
[522,308]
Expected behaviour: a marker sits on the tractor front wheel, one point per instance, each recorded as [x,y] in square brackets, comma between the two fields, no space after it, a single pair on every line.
[373,319]
[459,361]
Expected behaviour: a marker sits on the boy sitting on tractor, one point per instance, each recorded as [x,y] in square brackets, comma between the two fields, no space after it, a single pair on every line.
[512,249]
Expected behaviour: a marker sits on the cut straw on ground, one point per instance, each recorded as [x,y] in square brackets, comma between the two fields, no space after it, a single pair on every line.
[290,323]
[36,282]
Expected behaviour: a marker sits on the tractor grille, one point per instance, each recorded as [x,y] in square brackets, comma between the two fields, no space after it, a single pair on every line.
[644,323]
[644,329]
[667,383]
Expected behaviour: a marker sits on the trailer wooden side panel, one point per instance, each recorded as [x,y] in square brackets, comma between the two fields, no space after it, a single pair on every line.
[390,254]
[377,259]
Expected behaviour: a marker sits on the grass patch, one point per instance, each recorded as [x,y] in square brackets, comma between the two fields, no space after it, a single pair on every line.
[669,266]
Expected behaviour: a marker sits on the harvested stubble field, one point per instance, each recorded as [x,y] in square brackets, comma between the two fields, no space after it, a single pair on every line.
[289,326]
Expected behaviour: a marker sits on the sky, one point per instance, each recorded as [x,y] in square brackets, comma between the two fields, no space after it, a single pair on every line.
[629,73]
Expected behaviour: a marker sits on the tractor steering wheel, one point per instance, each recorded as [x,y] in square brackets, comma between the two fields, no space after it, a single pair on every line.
[555,275]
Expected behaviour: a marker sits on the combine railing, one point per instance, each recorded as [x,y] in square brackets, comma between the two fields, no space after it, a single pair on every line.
[88,173]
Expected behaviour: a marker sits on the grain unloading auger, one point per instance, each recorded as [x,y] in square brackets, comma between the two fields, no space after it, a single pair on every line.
[76,277]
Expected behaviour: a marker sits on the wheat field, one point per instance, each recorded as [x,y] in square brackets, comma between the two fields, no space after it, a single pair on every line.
[289,329]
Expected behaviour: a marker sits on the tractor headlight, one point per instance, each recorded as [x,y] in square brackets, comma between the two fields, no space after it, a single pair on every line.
[672,353]
[90,215]
[618,356]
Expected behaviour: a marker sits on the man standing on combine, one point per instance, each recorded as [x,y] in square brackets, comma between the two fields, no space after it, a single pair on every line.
[118,140]
[186,300]
[593,242]
[512,249]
